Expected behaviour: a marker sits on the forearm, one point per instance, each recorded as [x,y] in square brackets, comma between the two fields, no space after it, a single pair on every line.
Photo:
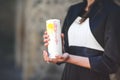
[79,60]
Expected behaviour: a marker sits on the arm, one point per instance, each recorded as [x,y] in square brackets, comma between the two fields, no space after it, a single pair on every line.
[79,60]
[110,60]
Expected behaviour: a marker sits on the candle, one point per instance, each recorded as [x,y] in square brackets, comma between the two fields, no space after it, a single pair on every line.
[54,31]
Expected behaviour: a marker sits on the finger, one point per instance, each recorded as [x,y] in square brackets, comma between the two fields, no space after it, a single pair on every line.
[45,55]
[46,40]
[59,57]
[45,36]
[62,35]
[53,61]
[46,44]
[50,60]
[45,32]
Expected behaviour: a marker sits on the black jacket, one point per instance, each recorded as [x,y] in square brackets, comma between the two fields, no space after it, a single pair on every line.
[105,26]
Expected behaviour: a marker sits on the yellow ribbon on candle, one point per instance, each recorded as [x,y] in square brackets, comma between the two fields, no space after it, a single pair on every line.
[50,28]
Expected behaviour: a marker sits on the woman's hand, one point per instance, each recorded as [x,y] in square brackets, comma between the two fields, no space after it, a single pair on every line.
[59,58]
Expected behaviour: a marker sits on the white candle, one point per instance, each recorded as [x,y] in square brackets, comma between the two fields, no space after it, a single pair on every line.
[54,32]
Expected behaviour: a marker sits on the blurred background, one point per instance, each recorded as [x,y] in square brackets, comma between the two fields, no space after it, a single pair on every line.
[22,23]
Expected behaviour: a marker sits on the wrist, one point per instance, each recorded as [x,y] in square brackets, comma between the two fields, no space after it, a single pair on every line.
[68,57]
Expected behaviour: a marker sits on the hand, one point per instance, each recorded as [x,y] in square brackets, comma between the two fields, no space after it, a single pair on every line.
[45,54]
[46,57]
[59,58]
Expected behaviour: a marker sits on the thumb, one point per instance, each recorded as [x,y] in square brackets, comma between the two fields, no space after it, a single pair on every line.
[62,35]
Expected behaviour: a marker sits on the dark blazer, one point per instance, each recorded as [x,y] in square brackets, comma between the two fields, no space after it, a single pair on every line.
[105,26]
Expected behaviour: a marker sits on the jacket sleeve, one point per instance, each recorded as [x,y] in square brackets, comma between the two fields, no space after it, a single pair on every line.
[109,61]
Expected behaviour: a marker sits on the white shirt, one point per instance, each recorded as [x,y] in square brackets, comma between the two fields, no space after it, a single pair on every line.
[80,35]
